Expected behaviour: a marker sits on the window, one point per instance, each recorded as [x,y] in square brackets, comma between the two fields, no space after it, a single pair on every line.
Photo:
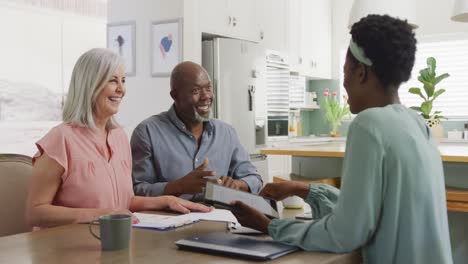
[39,50]
[451,53]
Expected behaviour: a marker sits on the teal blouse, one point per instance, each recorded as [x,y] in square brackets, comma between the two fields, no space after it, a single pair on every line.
[392,199]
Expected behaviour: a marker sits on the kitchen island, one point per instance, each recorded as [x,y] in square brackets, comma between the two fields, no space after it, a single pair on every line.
[307,157]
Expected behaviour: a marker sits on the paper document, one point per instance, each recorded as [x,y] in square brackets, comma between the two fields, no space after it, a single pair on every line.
[163,222]
[219,215]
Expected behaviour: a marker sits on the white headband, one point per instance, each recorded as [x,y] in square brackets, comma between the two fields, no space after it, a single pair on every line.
[358,53]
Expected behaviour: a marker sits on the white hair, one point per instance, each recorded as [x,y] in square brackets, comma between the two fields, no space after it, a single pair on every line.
[91,73]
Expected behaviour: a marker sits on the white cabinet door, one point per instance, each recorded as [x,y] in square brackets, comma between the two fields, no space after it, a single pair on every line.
[272,24]
[214,16]
[278,165]
[229,18]
[316,38]
[310,37]
[243,26]
[293,34]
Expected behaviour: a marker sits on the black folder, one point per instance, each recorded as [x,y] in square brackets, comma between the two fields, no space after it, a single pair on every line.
[222,243]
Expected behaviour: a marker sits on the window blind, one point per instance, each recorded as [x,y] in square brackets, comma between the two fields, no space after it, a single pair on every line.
[296,91]
[452,57]
[277,84]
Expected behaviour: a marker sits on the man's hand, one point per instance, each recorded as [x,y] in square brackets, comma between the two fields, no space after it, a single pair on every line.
[282,190]
[184,206]
[250,217]
[234,184]
[192,183]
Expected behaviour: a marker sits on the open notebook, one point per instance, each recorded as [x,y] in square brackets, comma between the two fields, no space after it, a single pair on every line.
[165,222]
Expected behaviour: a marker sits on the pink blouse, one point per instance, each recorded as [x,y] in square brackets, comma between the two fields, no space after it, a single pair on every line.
[89,180]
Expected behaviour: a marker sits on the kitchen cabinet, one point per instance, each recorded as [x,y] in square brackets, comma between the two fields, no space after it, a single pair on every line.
[229,18]
[309,35]
[278,165]
[272,24]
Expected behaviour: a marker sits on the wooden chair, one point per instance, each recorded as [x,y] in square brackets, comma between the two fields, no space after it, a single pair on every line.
[457,199]
[15,174]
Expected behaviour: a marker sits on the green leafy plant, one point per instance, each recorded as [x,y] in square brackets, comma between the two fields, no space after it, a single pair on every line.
[428,78]
[334,112]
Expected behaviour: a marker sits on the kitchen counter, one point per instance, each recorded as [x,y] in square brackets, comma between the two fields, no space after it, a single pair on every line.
[450,152]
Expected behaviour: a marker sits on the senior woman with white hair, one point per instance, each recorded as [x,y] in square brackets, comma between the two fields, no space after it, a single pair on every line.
[82,169]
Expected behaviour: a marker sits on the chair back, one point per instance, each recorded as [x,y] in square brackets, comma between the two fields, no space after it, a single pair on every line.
[15,175]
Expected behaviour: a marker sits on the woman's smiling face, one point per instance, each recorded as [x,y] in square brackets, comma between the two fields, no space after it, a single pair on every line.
[108,101]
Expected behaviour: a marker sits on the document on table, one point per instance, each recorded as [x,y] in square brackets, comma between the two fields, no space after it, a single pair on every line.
[218,215]
[164,222]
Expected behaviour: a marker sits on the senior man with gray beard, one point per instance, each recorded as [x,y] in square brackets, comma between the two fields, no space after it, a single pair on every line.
[178,151]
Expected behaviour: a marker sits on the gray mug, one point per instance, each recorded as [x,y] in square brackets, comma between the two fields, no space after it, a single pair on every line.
[115,231]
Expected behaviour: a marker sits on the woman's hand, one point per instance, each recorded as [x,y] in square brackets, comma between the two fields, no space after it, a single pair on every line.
[282,190]
[184,206]
[250,217]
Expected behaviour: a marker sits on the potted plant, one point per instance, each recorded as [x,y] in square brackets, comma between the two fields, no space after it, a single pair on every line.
[334,112]
[429,79]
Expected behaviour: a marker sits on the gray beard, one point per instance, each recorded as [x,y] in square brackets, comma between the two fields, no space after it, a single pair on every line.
[200,118]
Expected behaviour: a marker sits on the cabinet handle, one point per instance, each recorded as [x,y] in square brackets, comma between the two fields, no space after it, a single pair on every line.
[313,64]
[234,21]
[251,92]
[299,60]
[229,20]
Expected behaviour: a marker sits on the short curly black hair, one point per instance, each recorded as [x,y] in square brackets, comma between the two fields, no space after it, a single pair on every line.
[390,44]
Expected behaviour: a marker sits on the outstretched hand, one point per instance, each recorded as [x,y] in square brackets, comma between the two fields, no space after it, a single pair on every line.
[234,184]
[282,190]
[193,182]
[250,217]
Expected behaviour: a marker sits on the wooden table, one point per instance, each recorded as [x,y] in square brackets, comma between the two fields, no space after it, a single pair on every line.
[73,244]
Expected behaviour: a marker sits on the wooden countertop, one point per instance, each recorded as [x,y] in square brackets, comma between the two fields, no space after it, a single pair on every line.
[74,244]
[450,152]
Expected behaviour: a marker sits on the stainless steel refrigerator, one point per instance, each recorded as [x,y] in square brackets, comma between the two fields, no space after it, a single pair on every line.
[235,67]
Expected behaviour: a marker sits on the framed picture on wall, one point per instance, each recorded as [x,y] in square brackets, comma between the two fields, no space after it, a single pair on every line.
[121,39]
[166,46]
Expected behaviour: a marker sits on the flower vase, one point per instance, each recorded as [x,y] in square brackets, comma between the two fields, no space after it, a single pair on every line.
[334,130]
[436,127]
[335,133]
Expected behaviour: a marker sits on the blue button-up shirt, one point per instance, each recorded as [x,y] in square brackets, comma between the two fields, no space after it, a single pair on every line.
[164,150]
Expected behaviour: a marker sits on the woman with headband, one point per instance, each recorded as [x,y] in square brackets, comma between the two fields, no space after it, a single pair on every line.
[392,198]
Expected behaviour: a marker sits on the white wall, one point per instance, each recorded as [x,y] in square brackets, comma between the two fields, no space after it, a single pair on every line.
[146,95]
[433,17]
